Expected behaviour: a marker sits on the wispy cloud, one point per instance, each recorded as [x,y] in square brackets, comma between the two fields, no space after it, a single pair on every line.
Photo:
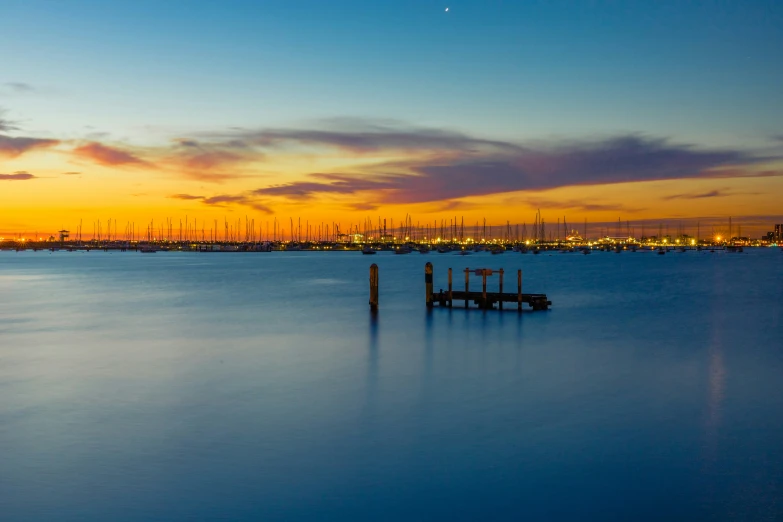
[582,205]
[18,87]
[721,193]
[717,193]
[6,124]
[509,169]
[105,155]
[17,176]
[12,147]
[333,184]
[226,200]
[212,161]
[185,197]
[367,136]
[363,207]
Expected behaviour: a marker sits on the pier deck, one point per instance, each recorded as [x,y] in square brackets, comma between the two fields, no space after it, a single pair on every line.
[484,299]
[490,299]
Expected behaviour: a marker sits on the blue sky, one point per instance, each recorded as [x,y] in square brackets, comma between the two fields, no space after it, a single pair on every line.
[336,110]
[705,72]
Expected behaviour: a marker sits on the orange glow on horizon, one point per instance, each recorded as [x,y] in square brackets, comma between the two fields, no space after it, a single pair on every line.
[66,191]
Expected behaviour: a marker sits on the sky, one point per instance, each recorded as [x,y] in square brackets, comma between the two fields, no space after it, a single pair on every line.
[343,111]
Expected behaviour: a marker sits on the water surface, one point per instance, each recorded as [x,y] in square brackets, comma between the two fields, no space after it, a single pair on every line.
[185,386]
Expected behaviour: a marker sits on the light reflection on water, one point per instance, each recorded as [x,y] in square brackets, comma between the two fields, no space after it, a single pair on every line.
[259,387]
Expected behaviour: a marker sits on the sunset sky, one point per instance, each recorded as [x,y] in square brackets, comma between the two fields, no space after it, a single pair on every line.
[341,111]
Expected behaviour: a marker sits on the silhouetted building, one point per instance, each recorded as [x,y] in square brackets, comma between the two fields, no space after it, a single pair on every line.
[778,233]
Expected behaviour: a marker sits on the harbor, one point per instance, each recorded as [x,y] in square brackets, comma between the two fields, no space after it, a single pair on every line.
[444,237]
[463,249]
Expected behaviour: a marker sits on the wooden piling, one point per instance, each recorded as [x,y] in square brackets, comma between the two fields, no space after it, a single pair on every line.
[484,288]
[428,284]
[374,287]
[467,285]
[450,291]
[500,287]
[519,290]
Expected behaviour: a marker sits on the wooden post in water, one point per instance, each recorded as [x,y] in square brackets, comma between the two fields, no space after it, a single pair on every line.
[519,290]
[450,294]
[500,302]
[484,288]
[428,284]
[374,287]
[467,285]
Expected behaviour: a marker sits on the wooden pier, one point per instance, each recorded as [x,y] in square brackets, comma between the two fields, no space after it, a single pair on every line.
[484,299]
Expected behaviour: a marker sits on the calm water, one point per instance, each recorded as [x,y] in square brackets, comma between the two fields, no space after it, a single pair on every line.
[257,387]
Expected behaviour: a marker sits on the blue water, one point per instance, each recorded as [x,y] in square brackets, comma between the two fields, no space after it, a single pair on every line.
[184,386]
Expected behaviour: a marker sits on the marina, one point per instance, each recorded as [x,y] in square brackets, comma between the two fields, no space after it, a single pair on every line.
[443,237]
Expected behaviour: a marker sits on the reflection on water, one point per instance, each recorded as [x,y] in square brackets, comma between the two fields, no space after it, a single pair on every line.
[716,387]
[716,377]
[252,387]
[373,351]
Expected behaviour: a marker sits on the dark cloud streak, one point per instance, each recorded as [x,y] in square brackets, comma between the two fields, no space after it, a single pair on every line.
[225,200]
[619,160]
[363,137]
[19,87]
[718,193]
[185,197]
[108,156]
[16,146]
[17,176]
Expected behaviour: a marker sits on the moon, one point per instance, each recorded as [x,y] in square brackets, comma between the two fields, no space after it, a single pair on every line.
[447,9]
